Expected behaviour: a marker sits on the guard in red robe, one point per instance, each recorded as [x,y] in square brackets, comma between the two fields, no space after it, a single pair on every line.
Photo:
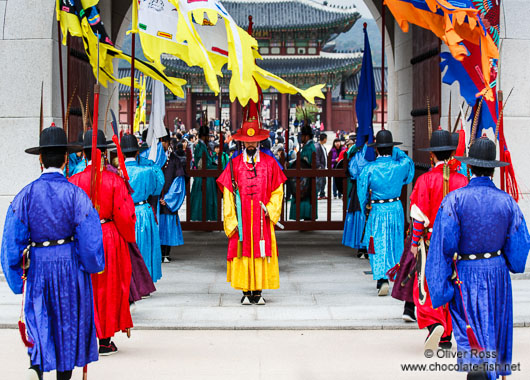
[116,212]
[252,186]
[428,193]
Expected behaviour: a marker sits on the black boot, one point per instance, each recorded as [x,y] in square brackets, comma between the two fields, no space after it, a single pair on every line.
[477,375]
[166,249]
[34,372]
[67,375]
[433,339]
[382,287]
[257,298]
[247,298]
[445,342]
[408,312]
[107,347]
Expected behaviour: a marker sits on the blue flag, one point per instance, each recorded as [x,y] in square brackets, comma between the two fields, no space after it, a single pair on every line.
[365,104]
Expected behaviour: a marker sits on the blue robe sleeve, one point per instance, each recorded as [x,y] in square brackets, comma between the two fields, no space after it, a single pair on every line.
[160,156]
[444,244]
[363,186]
[406,164]
[88,236]
[15,240]
[517,242]
[176,194]
[357,163]
[157,179]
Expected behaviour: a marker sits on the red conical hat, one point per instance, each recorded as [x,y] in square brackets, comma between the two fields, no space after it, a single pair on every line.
[251,131]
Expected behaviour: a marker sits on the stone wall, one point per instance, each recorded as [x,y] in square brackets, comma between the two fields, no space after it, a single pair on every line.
[29,58]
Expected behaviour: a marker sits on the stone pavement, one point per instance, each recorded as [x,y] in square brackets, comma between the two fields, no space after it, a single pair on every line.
[263,355]
[323,285]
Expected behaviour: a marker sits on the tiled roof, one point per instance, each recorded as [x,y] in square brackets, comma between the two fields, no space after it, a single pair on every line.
[351,85]
[289,15]
[283,66]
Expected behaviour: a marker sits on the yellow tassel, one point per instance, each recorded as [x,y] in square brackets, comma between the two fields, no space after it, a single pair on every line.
[446,174]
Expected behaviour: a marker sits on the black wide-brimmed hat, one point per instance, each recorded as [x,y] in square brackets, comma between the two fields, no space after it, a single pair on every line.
[204,131]
[441,141]
[307,130]
[129,143]
[53,137]
[455,138]
[482,154]
[102,142]
[384,139]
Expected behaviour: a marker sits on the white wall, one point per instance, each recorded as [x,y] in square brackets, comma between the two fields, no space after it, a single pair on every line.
[28,57]
[515,73]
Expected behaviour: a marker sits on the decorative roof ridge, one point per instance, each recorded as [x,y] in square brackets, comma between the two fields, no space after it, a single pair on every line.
[322,55]
[310,3]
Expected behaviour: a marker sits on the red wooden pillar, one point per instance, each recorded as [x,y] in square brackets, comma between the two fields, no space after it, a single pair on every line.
[233,116]
[354,110]
[189,109]
[329,105]
[217,110]
[273,107]
[279,106]
[285,111]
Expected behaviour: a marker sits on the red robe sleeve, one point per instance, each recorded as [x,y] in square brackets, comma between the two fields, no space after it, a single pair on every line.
[278,177]
[225,179]
[123,210]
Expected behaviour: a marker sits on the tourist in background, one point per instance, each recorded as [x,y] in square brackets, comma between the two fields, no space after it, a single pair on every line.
[203,160]
[322,163]
[306,157]
[336,150]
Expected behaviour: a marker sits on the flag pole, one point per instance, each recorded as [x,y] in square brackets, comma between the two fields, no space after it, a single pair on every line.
[383,21]
[93,194]
[61,74]
[131,111]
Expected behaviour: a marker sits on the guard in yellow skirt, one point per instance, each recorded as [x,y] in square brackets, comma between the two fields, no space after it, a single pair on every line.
[252,186]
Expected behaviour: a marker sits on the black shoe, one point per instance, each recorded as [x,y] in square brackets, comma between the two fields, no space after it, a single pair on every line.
[445,342]
[247,298]
[34,373]
[408,312]
[477,376]
[382,287]
[107,350]
[257,298]
[433,339]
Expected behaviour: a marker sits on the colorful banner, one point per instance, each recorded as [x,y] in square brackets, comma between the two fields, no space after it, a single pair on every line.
[86,23]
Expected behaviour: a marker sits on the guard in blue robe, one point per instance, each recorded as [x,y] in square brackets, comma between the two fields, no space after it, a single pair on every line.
[57,221]
[75,158]
[483,231]
[160,155]
[171,199]
[146,181]
[355,218]
[380,184]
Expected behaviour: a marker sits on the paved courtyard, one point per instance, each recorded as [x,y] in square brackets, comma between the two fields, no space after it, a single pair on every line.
[264,355]
[323,285]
